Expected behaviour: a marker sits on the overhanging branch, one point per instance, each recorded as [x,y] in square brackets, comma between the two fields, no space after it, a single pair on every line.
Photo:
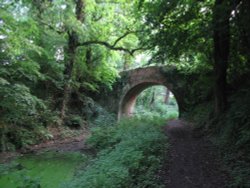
[114,45]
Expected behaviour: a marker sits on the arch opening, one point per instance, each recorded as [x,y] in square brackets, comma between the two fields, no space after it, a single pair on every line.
[149,99]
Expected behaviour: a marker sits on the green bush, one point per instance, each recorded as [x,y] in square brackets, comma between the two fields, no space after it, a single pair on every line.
[130,157]
[102,137]
[104,119]
[28,182]
[23,116]
[234,138]
[231,133]
[160,109]
[74,121]
[200,114]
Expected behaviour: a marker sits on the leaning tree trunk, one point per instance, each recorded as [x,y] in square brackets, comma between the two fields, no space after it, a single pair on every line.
[221,53]
[71,53]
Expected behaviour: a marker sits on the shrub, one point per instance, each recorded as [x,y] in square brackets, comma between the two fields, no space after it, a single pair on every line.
[102,137]
[234,138]
[231,132]
[22,116]
[103,118]
[74,121]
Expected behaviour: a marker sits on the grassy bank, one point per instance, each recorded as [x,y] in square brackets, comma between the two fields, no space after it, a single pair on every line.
[129,155]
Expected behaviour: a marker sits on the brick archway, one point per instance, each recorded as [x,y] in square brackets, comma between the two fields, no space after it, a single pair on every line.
[139,80]
[127,103]
[131,83]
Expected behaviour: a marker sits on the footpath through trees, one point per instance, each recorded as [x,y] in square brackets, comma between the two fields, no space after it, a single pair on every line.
[193,160]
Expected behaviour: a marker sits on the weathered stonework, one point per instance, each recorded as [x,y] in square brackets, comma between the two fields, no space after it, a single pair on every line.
[122,98]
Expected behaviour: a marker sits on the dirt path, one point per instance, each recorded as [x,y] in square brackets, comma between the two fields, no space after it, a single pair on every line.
[71,144]
[193,161]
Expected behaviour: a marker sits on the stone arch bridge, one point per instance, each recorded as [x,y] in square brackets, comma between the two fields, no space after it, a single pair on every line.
[122,98]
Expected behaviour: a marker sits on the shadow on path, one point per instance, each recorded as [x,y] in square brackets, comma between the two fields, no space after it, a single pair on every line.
[193,160]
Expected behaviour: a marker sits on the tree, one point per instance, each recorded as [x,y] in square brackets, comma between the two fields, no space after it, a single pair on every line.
[196,35]
[88,44]
[51,49]
[178,31]
[166,98]
[221,38]
[73,42]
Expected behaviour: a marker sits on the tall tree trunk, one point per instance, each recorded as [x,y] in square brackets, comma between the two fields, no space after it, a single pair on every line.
[152,101]
[71,52]
[166,98]
[221,53]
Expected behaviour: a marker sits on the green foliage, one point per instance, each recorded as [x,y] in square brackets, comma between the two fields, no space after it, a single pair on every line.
[19,105]
[96,115]
[129,155]
[231,132]
[104,119]
[158,110]
[23,114]
[34,54]
[151,102]
[178,31]
[200,115]
[102,137]
[237,120]
[29,182]
[74,121]
[34,171]
[240,173]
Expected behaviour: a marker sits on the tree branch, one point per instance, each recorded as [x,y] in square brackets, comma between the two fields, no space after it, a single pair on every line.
[106,44]
[113,46]
[122,37]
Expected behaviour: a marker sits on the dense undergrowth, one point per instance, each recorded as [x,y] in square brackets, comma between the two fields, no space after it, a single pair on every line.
[128,155]
[159,109]
[231,133]
[156,101]
[28,125]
